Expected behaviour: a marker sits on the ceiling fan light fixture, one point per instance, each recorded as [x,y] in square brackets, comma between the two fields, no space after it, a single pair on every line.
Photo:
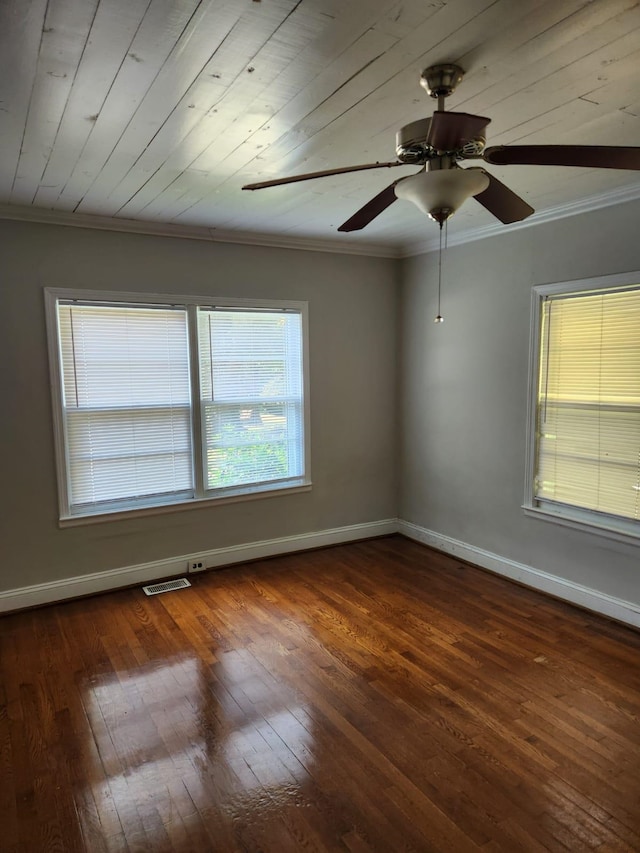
[440,193]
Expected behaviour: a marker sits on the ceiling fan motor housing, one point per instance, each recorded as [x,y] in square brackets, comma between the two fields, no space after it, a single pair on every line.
[412,146]
[411,142]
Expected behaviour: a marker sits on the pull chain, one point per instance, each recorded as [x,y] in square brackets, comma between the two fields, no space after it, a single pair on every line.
[439,318]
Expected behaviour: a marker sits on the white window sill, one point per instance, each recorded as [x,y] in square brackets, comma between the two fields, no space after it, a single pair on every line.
[622,530]
[228,497]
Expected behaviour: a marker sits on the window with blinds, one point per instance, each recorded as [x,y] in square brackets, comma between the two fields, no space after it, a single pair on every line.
[251,393]
[126,404]
[169,403]
[588,403]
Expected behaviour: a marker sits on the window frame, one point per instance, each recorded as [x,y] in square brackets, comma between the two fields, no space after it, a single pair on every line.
[202,497]
[603,524]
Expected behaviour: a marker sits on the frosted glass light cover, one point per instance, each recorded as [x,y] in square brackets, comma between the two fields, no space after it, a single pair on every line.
[444,188]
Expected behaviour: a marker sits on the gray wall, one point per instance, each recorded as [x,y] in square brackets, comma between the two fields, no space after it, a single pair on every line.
[461,388]
[464,393]
[353,345]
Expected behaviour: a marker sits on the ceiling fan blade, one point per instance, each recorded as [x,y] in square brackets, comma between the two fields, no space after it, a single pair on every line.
[276,182]
[452,131]
[503,202]
[595,156]
[370,210]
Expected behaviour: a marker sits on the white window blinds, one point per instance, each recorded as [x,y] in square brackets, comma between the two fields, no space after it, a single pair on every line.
[160,400]
[588,402]
[126,405]
[251,396]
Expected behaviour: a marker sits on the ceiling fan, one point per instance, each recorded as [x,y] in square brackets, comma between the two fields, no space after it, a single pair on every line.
[439,143]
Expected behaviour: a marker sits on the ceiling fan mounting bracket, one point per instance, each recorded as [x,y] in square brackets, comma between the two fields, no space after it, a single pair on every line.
[441,80]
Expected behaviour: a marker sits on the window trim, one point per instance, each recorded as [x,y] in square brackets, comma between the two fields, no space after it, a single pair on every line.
[602,524]
[190,303]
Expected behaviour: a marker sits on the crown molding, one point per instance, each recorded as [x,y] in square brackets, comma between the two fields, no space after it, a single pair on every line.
[561,211]
[338,246]
[194,232]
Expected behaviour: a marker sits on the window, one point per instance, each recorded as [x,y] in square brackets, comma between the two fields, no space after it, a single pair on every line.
[163,401]
[585,425]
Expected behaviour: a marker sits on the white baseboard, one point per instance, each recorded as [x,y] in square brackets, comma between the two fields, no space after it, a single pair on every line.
[47,593]
[301,542]
[591,599]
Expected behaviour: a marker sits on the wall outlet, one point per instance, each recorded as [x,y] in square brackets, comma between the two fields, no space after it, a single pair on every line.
[196,564]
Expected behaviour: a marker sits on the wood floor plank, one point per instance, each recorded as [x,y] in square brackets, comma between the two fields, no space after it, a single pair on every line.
[368,698]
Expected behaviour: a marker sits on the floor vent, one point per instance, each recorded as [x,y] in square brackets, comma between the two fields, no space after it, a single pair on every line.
[167,586]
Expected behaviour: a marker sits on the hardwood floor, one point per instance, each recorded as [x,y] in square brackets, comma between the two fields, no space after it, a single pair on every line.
[376,696]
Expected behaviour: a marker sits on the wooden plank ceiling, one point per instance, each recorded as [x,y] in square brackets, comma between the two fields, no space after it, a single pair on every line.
[160,110]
